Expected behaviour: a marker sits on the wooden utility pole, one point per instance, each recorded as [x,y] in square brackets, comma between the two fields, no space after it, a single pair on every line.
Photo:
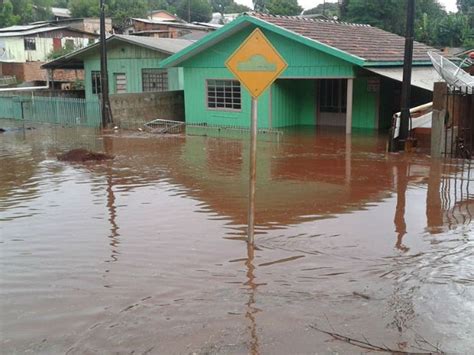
[106,111]
[407,68]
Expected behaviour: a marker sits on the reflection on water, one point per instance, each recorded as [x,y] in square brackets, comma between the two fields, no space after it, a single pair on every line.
[146,253]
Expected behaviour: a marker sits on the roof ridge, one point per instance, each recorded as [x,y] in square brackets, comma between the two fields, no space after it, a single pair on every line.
[307,19]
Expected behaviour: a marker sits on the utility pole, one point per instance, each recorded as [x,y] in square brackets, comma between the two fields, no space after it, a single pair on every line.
[406,84]
[189,11]
[104,79]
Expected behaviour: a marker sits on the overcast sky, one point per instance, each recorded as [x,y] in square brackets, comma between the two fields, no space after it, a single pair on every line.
[450,5]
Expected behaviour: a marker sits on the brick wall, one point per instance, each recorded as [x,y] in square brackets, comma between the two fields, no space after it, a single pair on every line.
[134,110]
[31,71]
[68,75]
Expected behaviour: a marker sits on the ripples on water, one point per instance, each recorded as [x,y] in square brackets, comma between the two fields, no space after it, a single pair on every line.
[146,253]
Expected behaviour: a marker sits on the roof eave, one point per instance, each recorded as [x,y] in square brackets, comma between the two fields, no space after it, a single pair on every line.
[395,63]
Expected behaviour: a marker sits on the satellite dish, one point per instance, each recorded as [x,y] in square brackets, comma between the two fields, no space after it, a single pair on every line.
[451,73]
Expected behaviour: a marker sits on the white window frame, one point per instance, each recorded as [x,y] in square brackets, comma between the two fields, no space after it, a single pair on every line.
[230,103]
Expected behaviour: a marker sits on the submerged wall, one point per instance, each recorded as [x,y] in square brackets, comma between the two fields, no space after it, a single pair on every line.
[134,110]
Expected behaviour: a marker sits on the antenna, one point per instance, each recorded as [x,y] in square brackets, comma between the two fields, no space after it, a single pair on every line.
[451,73]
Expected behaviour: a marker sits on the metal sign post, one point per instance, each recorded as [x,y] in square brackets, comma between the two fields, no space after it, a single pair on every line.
[252,171]
[256,64]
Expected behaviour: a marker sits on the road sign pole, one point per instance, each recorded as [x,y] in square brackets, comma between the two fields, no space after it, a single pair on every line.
[252,171]
[256,64]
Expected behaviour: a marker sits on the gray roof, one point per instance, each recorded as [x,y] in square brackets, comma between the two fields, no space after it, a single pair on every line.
[166,45]
[22,28]
[39,29]
[74,59]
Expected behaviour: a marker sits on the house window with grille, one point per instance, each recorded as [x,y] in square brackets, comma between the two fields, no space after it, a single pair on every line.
[154,80]
[96,83]
[30,44]
[333,95]
[223,95]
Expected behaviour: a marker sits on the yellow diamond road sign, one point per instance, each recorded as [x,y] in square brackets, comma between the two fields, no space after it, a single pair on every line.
[256,63]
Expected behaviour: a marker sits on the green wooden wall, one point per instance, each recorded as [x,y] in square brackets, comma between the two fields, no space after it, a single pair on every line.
[291,102]
[129,59]
[365,105]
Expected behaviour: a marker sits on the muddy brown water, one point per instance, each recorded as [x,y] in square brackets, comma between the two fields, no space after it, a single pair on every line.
[145,253]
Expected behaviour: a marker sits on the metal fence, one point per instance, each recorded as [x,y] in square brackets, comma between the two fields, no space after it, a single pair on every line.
[459,123]
[6,80]
[52,110]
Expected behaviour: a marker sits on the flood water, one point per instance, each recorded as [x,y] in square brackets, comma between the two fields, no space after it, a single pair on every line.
[146,253]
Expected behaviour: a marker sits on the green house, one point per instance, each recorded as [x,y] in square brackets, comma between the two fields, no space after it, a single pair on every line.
[133,65]
[338,74]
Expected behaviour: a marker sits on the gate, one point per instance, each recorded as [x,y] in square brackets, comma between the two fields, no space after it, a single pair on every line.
[53,110]
[455,107]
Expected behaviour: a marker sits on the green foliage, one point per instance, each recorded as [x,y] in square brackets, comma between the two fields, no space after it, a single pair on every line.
[67,48]
[219,5]
[432,24]
[84,8]
[234,8]
[194,10]
[78,85]
[60,3]
[118,10]
[259,5]
[7,18]
[283,7]
[385,14]
[330,9]
[228,7]
[24,11]
[465,6]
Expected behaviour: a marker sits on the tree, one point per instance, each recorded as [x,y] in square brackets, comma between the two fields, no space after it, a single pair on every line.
[84,8]
[234,8]
[7,18]
[60,3]
[465,6]
[194,10]
[385,14]
[283,7]
[259,5]
[120,10]
[330,9]
[449,31]
[228,7]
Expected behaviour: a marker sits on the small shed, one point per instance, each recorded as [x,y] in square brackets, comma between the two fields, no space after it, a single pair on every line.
[338,74]
[133,65]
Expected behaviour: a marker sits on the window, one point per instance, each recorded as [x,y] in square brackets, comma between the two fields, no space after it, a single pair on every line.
[333,95]
[223,95]
[96,84]
[154,80]
[120,83]
[30,44]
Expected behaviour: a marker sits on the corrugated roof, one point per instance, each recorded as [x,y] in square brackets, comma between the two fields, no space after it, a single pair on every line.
[170,23]
[74,60]
[422,77]
[22,28]
[364,41]
[35,31]
[168,45]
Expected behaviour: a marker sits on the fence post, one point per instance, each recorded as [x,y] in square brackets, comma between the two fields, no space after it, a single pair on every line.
[438,129]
